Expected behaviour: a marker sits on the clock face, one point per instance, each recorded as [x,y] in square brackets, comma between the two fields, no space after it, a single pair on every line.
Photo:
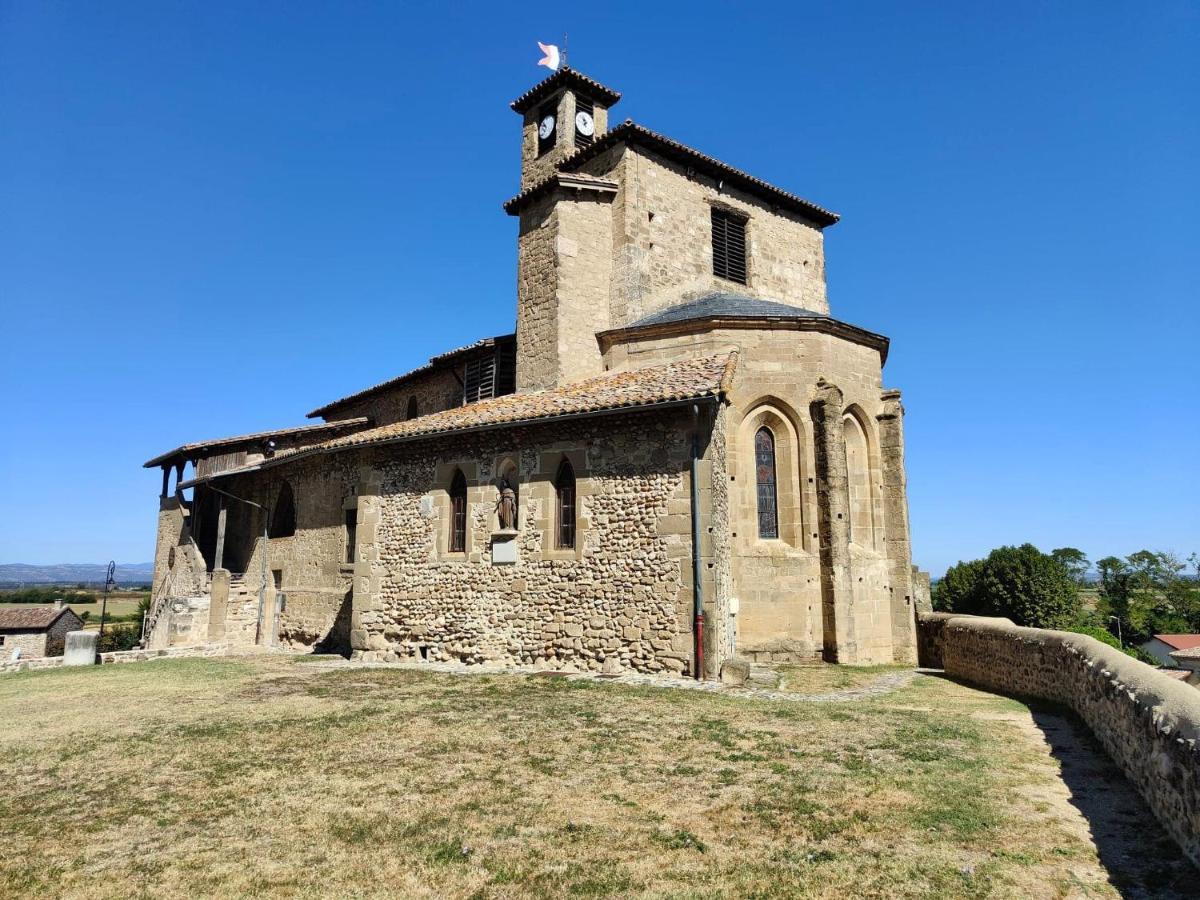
[584,124]
[546,128]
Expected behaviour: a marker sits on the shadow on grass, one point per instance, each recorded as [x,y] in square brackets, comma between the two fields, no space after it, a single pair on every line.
[1141,859]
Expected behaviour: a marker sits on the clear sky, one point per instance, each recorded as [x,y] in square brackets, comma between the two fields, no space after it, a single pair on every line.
[216,216]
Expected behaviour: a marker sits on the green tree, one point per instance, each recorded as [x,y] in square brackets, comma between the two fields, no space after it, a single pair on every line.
[1019,583]
[1074,561]
[958,589]
[1029,587]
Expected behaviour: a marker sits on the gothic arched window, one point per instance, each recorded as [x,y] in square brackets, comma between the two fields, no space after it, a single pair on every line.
[764,468]
[564,506]
[412,408]
[283,519]
[458,513]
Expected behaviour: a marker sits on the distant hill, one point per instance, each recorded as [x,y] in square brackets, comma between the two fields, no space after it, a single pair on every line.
[14,574]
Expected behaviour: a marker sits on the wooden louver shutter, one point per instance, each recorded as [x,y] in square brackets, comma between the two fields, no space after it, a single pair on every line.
[479,379]
[729,246]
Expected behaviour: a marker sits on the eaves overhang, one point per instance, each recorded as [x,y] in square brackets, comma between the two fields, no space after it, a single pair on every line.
[817,324]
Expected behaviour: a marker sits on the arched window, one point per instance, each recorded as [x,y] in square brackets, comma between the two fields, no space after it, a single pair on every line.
[412,409]
[764,468]
[283,519]
[564,506]
[458,513]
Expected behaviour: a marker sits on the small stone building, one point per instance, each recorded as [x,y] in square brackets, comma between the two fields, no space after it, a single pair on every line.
[678,455]
[36,631]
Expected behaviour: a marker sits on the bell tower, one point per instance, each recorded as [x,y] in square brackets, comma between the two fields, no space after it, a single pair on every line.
[560,114]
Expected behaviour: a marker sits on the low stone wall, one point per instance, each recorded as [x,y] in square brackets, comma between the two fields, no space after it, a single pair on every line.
[118,656]
[1148,723]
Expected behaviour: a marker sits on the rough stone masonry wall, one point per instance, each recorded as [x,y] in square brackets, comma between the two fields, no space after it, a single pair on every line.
[663,256]
[620,599]
[1148,723]
[435,391]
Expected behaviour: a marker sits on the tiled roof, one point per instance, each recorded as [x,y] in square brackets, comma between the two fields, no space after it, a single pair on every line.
[569,180]
[204,448]
[1180,641]
[30,617]
[1177,674]
[565,75]
[689,379]
[434,362]
[722,304]
[632,133]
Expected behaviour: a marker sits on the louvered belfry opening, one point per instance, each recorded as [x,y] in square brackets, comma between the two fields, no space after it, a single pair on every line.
[729,245]
[764,465]
[583,104]
[458,513]
[492,375]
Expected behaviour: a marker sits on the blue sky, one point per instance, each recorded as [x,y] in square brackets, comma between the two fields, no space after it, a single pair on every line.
[216,216]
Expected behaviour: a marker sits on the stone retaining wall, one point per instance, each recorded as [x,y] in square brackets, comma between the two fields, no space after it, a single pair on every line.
[118,656]
[1148,723]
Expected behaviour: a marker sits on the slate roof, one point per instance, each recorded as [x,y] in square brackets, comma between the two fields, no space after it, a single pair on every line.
[727,305]
[565,75]
[435,362]
[632,133]
[689,379]
[204,448]
[30,618]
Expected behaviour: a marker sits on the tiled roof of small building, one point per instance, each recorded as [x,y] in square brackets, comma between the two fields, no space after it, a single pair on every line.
[14,618]
[1189,653]
[630,132]
[434,362]
[1180,641]
[689,379]
[726,305]
[565,75]
[204,448]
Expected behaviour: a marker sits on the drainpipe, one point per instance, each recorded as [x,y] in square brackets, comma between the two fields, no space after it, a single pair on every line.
[697,588]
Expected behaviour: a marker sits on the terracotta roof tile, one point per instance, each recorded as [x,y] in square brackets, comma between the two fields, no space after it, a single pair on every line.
[1180,641]
[569,180]
[683,380]
[565,75]
[201,448]
[33,617]
[434,362]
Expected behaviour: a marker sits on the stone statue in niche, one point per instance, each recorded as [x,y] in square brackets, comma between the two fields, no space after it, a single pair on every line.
[506,506]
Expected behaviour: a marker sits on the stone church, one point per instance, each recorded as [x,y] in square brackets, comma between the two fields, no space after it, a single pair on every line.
[677,458]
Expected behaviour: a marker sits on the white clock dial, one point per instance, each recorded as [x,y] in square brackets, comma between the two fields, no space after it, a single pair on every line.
[584,124]
[546,128]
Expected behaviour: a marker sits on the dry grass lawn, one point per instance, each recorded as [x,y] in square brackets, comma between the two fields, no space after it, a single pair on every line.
[282,778]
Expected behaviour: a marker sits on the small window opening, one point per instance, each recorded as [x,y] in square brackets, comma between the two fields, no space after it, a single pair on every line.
[564,506]
[458,513]
[729,245]
[283,519]
[412,411]
[351,533]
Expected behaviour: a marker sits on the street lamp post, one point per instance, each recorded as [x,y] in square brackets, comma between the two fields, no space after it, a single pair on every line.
[1120,639]
[262,588]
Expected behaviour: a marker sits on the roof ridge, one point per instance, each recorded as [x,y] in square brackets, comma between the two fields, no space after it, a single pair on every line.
[748,182]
